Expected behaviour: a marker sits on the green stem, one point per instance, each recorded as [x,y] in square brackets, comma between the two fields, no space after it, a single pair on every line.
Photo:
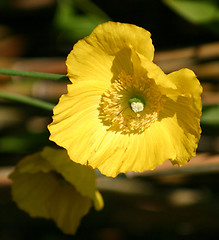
[27,100]
[49,76]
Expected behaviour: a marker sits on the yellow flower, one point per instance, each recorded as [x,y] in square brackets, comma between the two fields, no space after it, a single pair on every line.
[122,112]
[48,184]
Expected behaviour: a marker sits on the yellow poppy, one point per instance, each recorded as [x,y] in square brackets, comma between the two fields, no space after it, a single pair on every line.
[122,112]
[49,185]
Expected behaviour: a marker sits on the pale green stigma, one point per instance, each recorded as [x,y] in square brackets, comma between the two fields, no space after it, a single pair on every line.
[137,104]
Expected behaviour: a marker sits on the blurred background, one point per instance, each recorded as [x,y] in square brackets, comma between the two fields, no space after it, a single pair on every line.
[169,203]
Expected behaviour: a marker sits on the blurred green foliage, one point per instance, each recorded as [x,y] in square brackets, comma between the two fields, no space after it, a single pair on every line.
[210,115]
[23,142]
[76,19]
[204,12]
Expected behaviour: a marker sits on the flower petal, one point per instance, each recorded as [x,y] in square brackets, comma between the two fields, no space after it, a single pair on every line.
[81,177]
[120,153]
[156,73]
[98,201]
[68,209]
[92,57]
[187,85]
[42,195]
[182,121]
[34,163]
[76,120]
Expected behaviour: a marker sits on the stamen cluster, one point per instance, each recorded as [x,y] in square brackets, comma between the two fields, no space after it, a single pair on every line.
[116,111]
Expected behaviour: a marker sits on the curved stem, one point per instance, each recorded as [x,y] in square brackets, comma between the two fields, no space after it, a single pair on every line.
[27,100]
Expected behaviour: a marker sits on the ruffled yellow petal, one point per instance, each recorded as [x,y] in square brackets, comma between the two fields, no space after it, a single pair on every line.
[106,52]
[43,195]
[111,37]
[109,151]
[181,119]
[154,72]
[188,85]
[75,121]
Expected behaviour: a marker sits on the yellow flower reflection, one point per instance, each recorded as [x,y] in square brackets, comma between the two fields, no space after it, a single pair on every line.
[122,112]
[49,185]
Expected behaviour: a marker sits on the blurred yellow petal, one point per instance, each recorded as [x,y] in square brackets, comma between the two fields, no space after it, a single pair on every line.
[122,112]
[98,201]
[68,209]
[81,177]
[43,195]
[34,163]
[57,189]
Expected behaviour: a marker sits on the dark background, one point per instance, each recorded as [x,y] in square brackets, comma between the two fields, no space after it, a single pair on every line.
[37,35]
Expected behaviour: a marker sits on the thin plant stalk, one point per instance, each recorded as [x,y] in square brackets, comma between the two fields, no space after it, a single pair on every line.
[30,74]
[27,100]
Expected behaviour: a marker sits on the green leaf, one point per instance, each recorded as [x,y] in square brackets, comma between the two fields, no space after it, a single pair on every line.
[196,11]
[210,115]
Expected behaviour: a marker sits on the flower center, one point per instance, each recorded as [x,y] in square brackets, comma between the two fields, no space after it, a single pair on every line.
[137,104]
[131,104]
